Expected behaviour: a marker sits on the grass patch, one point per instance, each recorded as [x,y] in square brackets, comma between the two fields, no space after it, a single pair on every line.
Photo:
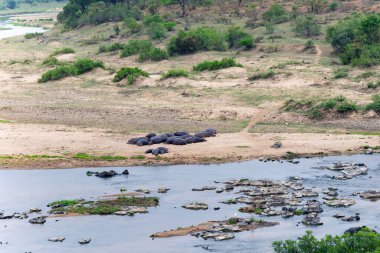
[375,105]
[173,73]
[3,121]
[103,207]
[215,65]
[284,64]
[262,75]
[109,158]
[63,203]
[33,35]
[66,50]
[340,73]
[138,157]
[373,85]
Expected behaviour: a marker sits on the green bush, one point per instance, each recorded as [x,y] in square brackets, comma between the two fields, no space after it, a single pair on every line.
[78,67]
[356,39]
[154,54]
[51,62]
[215,65]
[276,14]
[33,35]
[262,75]
[152,19]
[111,48]
[364,241]
[237,37]
[156,31]
[132,25]
[58,73]
[199,39]
[135,47]
[131,74]
[170,25]
[65,50]
[375,105]
[346,107]
[340,73]
[175,73]
[306,26]
[373,85]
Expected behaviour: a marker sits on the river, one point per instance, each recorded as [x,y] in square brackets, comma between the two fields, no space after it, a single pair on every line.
[8,30]
[24,189]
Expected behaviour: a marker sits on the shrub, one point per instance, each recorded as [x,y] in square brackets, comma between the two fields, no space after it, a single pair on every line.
[199,39]
[152,19]
[215,65]
[375,105]
[340,73]
[309,44]
[132,25]
[333,6]
[237,37]
[263,75]
[346,107]
[363,241]
[33,35]
[276,14]
[175,73]
[156,31]
[51,62]
[130,73]
[78,67]
[305,26]
[58,73]
[65,50]
[170,25]
[135,46]
[373,85]
[111,48]
[154,54]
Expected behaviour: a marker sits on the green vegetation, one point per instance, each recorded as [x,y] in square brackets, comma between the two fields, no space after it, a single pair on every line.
[215,65]
[111,48]
[262,75]
[375,105]
[103,207]
[154,54]
[199,39]
[276,14]
[364,241]
[33,35]
[357,39]
[373,85]
[70,69]
[172,73]
[52,62]
[131,74]
[232,221]
[135,47]
[283,65]
[237,38]
[65,50]
[306,26]
[63,203]
[109,158]
[340,73]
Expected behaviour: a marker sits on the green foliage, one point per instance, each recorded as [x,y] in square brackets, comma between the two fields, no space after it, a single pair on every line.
[156,31]
[130,73]
[199,39]
[111,48]
[306,26]
[170,25]
[51,62]
[215,65]
[135,47]
[309,44]
[65,50]
[276,14]
[373,85]
[132,25]
[63,203]
[333,6]
[340,73]
[346,106]
[109,158]
[364,241]
[154,54]
[262,75]
[78,67]
[152,19]
[175,73]
[357,39]
[237,37]
[269,28]
[33,35]
[375,105]
[316,6]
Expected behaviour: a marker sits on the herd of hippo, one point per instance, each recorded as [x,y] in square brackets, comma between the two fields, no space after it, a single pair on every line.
[176,138]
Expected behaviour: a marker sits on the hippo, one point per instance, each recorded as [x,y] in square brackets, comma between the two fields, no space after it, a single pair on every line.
[156,140]
[181,133]
[149,151]
[163,149]
[149,136]
[178,141]
[170,139]
[201,135]
[156,152]
[194,139]
[211,131]
[142,142]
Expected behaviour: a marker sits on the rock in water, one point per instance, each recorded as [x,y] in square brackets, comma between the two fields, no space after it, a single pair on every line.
[196,206]
[38,220]
[84,241]
[56,239]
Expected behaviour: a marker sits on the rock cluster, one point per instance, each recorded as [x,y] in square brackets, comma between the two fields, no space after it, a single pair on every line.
[196,206]
[348,170]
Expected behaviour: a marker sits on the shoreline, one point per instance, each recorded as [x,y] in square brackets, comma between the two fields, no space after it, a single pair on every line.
[73,163]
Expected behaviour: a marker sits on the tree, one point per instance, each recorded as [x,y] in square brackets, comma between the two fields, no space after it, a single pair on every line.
[306,26]
[184,5]
[276,14]
[317,6]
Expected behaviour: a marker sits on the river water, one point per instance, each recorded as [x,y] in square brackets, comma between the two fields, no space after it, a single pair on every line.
[12,30]
[24,189]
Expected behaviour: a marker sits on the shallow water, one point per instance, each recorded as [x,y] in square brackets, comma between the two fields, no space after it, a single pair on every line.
[16,30]
[24,189]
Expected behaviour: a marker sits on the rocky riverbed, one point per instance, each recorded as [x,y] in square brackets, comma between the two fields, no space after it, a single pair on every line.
[304,194]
